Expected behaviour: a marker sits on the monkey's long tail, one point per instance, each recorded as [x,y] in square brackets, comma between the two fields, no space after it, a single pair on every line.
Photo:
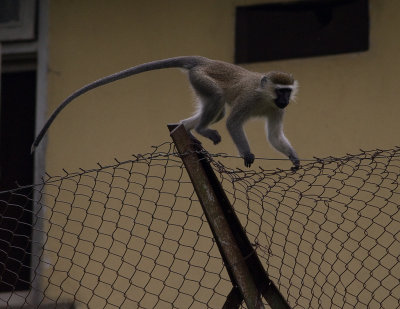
[186,62]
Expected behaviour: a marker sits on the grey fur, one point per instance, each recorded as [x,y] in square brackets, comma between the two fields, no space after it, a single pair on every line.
[217,83]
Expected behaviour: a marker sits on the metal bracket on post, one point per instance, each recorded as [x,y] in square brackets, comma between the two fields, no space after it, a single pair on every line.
[248,276]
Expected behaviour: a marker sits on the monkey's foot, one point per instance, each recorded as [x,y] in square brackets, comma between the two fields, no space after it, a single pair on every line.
[248,159]
[296,163]
[214,136]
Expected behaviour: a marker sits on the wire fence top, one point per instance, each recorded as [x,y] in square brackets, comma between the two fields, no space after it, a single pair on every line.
[132,234]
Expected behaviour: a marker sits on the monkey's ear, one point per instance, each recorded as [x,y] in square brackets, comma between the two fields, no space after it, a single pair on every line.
[264,80]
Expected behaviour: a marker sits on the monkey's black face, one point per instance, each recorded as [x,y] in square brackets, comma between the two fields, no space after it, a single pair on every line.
[282,97]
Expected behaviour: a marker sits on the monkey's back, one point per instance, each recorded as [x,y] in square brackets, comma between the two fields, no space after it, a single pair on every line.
[231,79]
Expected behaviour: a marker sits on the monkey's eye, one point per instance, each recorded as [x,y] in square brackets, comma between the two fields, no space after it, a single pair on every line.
[283,91]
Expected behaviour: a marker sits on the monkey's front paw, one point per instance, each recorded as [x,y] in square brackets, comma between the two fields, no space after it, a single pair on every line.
[248,159]
[296,162]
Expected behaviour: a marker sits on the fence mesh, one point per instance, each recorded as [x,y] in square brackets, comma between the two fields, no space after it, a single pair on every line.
[133,235]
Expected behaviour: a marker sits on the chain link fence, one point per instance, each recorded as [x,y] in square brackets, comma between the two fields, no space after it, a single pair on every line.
[133,235]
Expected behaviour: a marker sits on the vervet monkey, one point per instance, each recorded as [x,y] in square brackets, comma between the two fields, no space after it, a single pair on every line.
[217,83]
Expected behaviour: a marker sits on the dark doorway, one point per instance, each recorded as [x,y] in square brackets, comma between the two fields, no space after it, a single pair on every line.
[17,117]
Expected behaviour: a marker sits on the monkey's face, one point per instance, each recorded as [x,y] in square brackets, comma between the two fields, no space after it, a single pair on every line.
[282,96]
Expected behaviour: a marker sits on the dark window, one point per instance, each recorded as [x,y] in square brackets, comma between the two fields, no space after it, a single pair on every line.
[9,11]
[301,29]
[17,114]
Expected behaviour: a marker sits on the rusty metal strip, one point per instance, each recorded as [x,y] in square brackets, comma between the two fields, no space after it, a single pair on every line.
[215,217]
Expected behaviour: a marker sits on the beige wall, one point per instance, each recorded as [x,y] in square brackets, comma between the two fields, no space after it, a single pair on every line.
[346,102]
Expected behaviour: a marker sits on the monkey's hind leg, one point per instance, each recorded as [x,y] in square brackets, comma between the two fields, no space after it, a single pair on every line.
[211,105]
[189,124]
[210,113]
[220,115]
[193,123]
[213,134]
